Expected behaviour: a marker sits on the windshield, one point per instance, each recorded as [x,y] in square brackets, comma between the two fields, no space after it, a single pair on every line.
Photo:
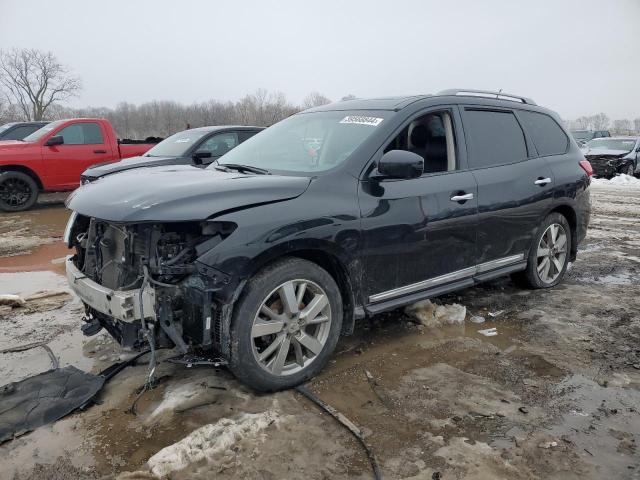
[5,126]
[176,145]
[625,144]
[38,134]
[582,135]
[308,142]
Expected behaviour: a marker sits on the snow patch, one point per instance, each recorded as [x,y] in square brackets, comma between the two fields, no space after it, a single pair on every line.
[211,442]
[432,315]
[622,180]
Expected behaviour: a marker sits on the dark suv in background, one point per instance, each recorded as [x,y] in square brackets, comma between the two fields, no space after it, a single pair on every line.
[337,213]
[19,130]
[196,146]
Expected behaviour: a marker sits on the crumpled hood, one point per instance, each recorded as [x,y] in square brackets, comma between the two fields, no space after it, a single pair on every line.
[602,152]
[108,168]
[179,193]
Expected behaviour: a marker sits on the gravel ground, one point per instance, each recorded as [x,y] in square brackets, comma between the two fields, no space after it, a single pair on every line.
[554,395]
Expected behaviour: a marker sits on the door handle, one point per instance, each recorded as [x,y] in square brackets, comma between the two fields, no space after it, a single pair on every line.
[99,151]
[462,198]
[542,181]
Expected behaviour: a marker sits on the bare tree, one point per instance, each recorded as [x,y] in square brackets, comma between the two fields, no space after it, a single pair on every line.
[599,121]
[315,99]
[636,124]
[622,126]
[7,111]
[35,80]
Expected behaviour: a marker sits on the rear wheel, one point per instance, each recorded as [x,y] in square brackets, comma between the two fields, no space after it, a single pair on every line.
[549,255]
[285,326]
[18,191]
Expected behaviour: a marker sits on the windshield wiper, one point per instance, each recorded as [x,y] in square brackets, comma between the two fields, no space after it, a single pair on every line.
[245,168]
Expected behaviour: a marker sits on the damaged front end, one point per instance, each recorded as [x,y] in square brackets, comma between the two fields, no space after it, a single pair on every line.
[142,283]
[607,165]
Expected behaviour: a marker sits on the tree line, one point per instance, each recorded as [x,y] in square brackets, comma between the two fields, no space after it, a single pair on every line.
[34,85]
[601,121]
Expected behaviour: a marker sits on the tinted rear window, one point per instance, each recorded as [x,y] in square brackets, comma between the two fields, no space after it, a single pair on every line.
[495,138]
[546,134]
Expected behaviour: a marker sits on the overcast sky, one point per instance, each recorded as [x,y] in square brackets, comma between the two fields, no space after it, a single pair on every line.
[577,57]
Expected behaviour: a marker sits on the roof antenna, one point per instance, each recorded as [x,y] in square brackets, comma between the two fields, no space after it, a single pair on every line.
[498,94]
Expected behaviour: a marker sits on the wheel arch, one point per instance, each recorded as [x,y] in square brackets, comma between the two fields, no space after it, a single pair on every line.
[568,212]
[25,170]
[328,259]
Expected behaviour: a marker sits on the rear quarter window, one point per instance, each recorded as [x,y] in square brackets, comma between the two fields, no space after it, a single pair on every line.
[494,137]
[546,134]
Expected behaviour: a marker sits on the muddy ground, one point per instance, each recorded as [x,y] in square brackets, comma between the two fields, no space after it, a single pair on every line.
[555,395]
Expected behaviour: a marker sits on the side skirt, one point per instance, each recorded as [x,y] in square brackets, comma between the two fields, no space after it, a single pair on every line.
[398,302]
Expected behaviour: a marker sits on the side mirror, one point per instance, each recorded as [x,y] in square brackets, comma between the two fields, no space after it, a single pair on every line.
[55,140]
[198,157]
[202,155]
[400,164]
[638,149]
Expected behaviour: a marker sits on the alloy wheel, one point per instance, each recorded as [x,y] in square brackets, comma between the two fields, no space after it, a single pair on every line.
[15,192]
[552,253]
[291,327]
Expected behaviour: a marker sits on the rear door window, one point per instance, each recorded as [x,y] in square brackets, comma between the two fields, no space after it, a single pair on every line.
[82,134]
[493,137]
[546,134]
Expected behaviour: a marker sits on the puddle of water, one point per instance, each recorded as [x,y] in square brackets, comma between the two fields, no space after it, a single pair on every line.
[45,257]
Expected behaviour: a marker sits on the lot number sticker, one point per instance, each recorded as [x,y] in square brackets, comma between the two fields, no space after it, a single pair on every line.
[373,121]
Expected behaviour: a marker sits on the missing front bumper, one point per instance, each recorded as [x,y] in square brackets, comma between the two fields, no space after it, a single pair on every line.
[119,304]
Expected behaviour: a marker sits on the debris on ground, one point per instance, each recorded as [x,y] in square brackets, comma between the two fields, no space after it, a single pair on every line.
[496,314]
[213,443]
[476,319]
[433,315]
[12,301]
[489,332]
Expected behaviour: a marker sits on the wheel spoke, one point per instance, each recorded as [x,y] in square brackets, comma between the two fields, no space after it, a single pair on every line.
[266,327]
[297,349]
[546,269]
[554,234]
[271,348]
[302,288]
[318,319]
[562,241]
[288,297]
[310,343]
[543,264]
[267,312]
[558,264]
[315,307]
[281,357]
[543,252]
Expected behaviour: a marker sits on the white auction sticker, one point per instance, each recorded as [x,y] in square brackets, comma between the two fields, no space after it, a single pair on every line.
[360,120]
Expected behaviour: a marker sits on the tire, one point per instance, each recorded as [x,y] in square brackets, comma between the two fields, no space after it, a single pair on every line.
[629,169]
[18,191]
[260,361]
[534,275]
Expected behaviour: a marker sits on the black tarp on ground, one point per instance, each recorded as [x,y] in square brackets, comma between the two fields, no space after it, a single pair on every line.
[44,398]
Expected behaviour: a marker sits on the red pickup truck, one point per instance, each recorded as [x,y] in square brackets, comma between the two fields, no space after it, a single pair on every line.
[51,159]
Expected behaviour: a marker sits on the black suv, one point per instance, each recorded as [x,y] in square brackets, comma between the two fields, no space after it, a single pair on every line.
[19,130]
[337,213]
[196,146]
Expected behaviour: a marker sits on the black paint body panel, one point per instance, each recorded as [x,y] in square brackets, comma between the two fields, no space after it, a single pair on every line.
[379,234]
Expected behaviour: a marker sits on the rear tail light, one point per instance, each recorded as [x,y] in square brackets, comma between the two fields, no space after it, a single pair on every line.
[586,166]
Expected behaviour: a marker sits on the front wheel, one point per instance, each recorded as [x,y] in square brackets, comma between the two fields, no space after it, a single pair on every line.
[629,170]
[285,326]
[549,255]
[18,191]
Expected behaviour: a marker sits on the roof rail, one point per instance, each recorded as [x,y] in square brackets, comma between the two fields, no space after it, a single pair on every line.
[487,94]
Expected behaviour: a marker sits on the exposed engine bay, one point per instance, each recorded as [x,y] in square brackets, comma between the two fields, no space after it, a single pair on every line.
[141,283]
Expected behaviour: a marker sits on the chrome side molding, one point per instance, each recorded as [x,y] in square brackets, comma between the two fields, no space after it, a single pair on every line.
[447,278]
